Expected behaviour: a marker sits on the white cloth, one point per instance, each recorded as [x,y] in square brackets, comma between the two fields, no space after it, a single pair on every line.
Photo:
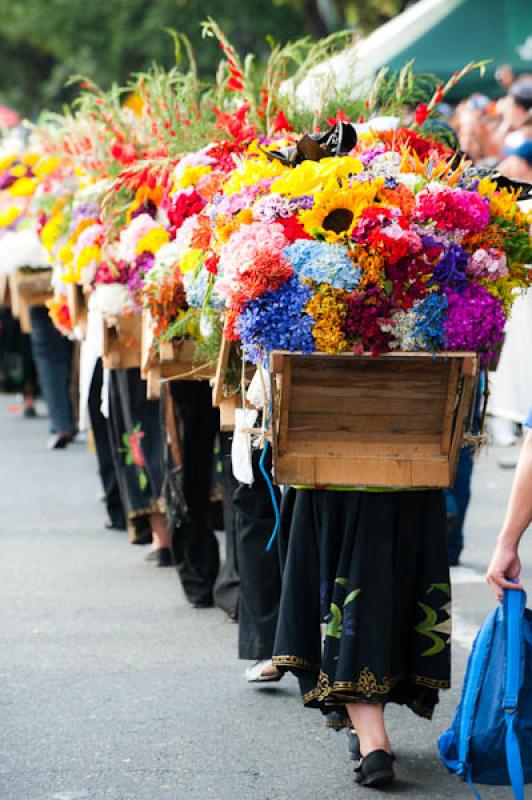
[245,419]
[91,351]
[511,384]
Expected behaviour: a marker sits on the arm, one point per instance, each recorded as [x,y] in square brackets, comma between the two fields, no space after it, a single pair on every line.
[505,564]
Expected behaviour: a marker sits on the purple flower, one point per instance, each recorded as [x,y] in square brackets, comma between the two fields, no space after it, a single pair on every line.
[451,267]
[148,207]
[475,321]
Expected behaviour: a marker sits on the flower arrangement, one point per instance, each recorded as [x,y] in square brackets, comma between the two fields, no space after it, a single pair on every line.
[377,249]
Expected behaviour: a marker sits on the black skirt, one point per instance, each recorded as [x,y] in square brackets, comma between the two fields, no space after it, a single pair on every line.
[365,606]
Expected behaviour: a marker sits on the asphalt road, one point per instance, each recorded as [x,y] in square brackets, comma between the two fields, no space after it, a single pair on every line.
[111,688]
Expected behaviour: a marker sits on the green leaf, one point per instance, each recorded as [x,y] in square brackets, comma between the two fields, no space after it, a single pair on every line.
[342,582]
[129,459]
[143,480]
[352,596]
[125,439]
[442,587]
[334,628]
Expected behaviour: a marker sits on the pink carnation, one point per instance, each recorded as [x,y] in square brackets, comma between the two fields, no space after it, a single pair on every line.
[130,236]
[88,237]
[452,209]
[239,253]
[490,263]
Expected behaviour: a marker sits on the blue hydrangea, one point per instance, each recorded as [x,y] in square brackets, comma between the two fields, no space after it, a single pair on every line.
[196,286]
[323,263]
[277,321]
[430,315]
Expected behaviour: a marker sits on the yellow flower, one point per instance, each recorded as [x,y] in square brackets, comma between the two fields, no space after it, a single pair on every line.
[244,217]
[152,241]
[312,176]
[335,212]
[9,215]
[190,176]
[24,187]
[66,254]
[190,260]
[46,166]
[18,171]
[328,309]
[7,161]
[251,172]
[30,159]
[52,231]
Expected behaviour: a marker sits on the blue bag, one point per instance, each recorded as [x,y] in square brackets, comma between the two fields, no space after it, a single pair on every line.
[490,740]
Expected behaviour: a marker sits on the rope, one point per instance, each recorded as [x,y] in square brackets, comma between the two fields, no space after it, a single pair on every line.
[270,486]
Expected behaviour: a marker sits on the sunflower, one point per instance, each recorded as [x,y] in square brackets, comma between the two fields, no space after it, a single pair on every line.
[336,211]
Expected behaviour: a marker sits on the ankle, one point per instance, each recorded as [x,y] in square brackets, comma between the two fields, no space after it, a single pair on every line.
[371,742]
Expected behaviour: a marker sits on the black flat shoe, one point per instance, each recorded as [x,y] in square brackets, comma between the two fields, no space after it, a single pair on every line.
[30,413]
[160,558]
[58,441]
[375,769]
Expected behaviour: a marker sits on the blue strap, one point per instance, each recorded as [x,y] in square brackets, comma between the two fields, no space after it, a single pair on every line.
[272,495]
[514,604]
[513,607]
[472,786]
[513,757]
[472,691]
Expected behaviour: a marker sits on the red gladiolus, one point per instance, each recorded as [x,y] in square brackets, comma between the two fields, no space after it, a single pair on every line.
[235,85]
[421,113]
[280,123]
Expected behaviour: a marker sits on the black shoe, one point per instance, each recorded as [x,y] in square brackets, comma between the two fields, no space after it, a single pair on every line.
[353,744]
[375,769]
[161,557]
[58,441]
[114,525]
[206,603]
[30,413]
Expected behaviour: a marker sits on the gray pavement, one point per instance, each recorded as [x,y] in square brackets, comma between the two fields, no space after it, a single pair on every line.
[111,688]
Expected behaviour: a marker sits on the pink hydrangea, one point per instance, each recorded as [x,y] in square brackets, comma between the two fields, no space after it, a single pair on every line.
[452,209]
[240,252]
[490,263]
[130,236]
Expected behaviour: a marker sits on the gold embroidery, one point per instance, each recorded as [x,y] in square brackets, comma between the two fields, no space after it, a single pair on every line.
[430,683]
[295,661]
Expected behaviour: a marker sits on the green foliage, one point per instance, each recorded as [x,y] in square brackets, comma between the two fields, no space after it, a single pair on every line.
[43,43]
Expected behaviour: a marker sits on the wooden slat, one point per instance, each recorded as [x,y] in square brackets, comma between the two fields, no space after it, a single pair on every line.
[286,377]
[221,371]
[448,415]
[338,447]
[352,425]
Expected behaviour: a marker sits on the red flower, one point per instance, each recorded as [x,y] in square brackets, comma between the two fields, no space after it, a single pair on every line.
[421,113]
[293,229]
[135,439]
[235,85]
[280,123]
[211,264]
[183,206]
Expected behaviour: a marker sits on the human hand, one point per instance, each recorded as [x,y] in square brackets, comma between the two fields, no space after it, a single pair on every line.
[505,567]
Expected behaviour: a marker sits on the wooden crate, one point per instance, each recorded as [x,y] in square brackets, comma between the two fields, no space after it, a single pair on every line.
[171,361]
[31,287]
[392,421]
[121,342]
[77,306]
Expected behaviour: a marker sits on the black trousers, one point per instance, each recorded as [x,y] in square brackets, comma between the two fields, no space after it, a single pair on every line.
[259,570]
[104,454]
[226,588]
[194,542]
[133,416]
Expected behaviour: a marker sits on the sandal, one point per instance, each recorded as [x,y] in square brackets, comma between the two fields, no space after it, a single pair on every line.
[255,674]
